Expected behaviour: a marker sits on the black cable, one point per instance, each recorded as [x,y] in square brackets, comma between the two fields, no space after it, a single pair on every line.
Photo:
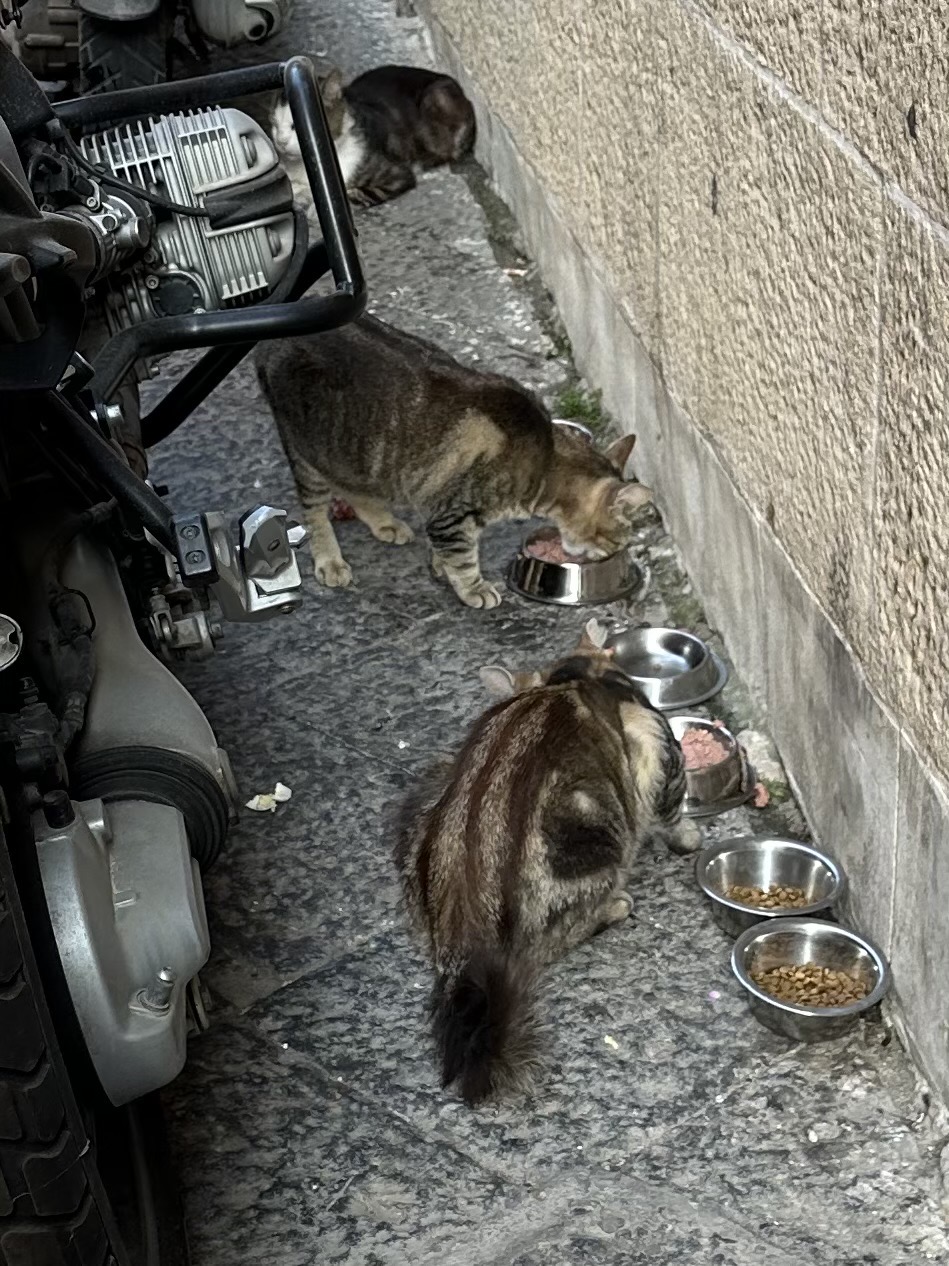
[72,659]
[137,191]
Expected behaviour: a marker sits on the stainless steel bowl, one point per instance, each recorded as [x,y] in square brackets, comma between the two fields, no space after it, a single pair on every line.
[574,426]
[722,786]
[798,941]
[673,669]
[574,584]
[759,862]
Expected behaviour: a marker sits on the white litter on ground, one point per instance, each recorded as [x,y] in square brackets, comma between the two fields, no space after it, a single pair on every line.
[267,801]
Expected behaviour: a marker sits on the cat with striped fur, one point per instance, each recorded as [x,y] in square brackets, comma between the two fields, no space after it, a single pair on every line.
[383,419]
[521,848]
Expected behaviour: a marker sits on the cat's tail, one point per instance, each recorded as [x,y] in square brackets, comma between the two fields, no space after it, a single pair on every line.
[485,1021]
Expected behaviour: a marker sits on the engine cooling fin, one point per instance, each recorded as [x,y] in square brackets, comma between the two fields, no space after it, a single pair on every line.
[216,160]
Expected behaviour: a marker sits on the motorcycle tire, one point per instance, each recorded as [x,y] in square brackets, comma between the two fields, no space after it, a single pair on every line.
[81,1183]
[115,55]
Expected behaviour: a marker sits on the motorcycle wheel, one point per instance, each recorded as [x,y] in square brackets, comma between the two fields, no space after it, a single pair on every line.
[81,1183]
[116,55]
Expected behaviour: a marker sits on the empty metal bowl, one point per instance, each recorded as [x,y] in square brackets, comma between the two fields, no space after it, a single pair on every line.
[573,584]
[574,426]
[794,942]
[673,669]
[724,785]
[760,862]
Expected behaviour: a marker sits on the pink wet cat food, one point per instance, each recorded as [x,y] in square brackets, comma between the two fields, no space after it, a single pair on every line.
[550,550]
[341,510]
[702,749]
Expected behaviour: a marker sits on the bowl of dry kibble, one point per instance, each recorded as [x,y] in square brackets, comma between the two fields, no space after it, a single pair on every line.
[809,979]
[762,877]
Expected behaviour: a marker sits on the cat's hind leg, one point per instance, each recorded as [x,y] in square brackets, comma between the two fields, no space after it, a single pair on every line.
[585,920]
[454,537]
[315,495]
[381,522]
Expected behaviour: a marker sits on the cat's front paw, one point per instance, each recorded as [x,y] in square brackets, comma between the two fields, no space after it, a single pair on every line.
[685,838]
[482,596]
[620,907]
[394,533]
[335,573]
[616,909]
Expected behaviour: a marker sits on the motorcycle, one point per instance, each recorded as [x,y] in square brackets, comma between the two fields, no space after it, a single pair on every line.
[90,46]
[132,224]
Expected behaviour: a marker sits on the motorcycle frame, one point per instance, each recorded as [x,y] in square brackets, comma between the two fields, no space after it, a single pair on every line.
[245,327]
[229,335]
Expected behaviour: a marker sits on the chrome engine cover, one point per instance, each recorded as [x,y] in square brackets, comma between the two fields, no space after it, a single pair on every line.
[190,267]
[127,911]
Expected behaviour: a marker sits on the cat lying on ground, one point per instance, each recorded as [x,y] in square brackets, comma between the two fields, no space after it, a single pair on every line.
[521,847]
[381,418]
[386,124]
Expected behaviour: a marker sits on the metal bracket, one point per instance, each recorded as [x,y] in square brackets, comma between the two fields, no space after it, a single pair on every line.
[257,568]
[194,550]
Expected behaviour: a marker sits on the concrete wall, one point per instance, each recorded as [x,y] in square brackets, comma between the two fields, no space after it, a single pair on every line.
[740,210]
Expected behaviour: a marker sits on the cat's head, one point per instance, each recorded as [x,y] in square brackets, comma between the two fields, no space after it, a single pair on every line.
[281,120]
[588,498]
[501,683]
[447,120]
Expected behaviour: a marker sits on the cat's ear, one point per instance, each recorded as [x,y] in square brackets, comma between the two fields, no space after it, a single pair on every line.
[331,87]
[630,498]
[620,451]
[441,97]
[497,681]
[594,635]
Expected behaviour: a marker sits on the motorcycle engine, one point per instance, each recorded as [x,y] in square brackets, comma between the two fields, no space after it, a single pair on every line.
[218,159]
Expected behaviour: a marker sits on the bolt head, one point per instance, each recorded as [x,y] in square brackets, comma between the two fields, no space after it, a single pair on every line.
[151,282]
[189,531]
[195,556]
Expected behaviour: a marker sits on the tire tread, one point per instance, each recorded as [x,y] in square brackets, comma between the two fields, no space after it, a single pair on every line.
[49,1215]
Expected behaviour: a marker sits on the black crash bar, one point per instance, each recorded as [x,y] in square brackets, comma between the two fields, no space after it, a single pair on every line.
[244,326]
[181,400]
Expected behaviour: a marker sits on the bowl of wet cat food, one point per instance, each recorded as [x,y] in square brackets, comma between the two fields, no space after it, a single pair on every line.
[545,572]
[718,775]
[808,979]
[674,669]
[757,878]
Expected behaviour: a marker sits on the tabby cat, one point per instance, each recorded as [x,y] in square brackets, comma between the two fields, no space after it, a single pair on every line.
[521,848]
[386,123]
[381,418]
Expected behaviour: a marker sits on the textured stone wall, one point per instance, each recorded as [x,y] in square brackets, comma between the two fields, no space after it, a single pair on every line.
[749,204]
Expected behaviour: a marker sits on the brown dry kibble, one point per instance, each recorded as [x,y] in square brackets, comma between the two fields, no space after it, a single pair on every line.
[777,897]
[809,985]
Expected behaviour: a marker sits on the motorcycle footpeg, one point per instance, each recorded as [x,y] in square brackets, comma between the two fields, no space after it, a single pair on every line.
[250,567]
